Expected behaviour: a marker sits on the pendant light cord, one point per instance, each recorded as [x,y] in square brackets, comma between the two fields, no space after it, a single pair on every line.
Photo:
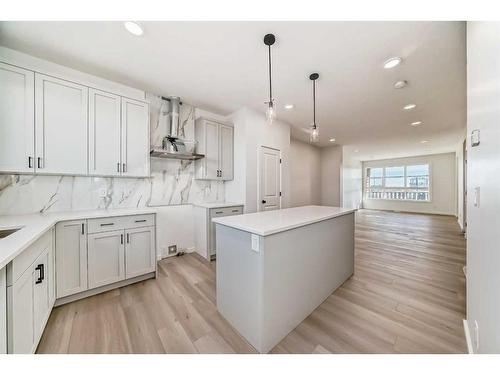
[270,78]
[314,104]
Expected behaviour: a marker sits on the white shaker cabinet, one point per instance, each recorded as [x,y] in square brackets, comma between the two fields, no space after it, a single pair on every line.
[60,126]
[71,257]
[139,251]
[30,295]
[135,138]
[215,141]
[17,106]
[104,133]
[106,253]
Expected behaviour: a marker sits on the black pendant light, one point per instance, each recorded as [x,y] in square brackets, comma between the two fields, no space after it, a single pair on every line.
[269,40]
[314,137]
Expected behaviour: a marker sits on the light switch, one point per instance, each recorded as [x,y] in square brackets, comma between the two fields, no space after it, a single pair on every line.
[477,198]
[255,243]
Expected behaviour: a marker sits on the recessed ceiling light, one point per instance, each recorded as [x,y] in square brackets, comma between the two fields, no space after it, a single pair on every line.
[332,139]
[416,123]
[289,106]
[356,150]
[409,106]
[424,141]
[133,28]
[392,62]
[400,84]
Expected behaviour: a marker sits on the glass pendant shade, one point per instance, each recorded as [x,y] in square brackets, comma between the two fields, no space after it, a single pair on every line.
[314,137]
[271,112]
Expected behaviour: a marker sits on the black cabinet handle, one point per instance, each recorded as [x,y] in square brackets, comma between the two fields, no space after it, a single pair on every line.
[141,221]
[234,210]
[30,162]
[107,224]
[128,238]
[83,228]
[218,212]
[263,201]
[121,239]
[41,276]
[39,162]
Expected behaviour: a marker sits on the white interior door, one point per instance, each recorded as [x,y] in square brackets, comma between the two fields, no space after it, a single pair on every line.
[104,133]
[60,126]
[17,125]
[269,179]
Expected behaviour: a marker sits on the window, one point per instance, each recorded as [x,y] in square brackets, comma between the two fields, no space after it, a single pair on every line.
[407,182]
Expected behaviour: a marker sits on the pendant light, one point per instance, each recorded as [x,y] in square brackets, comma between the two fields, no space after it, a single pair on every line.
[314,137]
[269,40]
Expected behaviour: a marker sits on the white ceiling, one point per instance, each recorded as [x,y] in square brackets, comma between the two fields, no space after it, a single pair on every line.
[222,66]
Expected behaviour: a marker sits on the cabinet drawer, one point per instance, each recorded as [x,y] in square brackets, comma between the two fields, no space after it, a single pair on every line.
[106,224]
[226,211]
[136,221]
[23,261]
[121,222]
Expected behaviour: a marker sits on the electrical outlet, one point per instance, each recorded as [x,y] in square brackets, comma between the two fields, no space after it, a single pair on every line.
[476,335]
[103,192]
[172,249]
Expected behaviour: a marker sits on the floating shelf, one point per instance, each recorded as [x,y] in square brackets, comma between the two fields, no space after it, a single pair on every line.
[163,154]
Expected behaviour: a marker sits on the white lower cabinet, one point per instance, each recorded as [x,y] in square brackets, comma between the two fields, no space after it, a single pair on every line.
[71,257]
[140,256]
[106,254]
[30,296]
[204,228]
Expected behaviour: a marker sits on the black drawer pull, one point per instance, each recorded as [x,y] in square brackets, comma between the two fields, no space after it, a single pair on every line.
[40,268]
[141,221]
[235,210]
[218,212]
[107,224]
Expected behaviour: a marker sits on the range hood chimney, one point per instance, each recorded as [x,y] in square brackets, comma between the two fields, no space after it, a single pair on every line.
[173,146]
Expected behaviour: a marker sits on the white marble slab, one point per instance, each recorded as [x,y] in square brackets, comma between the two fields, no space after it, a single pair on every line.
[35,225]
[270,222]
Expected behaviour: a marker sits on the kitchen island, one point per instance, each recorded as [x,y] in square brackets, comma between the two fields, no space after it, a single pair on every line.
[275,267]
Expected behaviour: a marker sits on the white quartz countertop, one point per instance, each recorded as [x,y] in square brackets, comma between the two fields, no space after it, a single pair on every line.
[218,204]
[35,225]
[270,222]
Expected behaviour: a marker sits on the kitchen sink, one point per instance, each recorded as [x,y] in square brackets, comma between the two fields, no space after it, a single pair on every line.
[7,232]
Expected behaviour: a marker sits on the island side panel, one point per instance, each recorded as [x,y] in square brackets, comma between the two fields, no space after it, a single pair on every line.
[239,282]
[3,311]
[302,267]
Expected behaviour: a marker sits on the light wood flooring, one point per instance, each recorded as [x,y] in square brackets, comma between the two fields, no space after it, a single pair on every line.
[407,295]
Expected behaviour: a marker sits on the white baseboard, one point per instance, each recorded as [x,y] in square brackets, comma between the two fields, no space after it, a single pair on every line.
[467,337]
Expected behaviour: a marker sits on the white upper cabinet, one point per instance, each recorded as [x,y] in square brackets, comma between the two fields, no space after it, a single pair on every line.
[135,138]
[104,133]
[60,126]
[215,141]
[226,152]
[17,138]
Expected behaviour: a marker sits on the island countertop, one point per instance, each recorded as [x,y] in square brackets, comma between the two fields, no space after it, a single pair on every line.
[270,222]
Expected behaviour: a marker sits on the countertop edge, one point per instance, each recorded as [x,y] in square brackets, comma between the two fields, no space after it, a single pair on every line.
[285,228]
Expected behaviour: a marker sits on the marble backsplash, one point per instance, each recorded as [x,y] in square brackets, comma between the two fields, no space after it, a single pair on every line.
[171,183]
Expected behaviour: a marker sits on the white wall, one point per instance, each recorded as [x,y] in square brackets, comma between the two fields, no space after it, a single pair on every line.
[251,132]
[331,161]
[305,174]
[351,194]
[483,173]
[443,185]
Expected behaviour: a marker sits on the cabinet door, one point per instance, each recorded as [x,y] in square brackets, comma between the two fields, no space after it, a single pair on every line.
[71,258]
[135,138]
[140,255]
[60,126]
[104,133]
[20,321]
[17,126]
[106,262]
[41,306]
[211,158]
[226,152]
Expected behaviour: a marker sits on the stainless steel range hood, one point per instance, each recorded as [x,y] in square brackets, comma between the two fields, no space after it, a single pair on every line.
[173,146]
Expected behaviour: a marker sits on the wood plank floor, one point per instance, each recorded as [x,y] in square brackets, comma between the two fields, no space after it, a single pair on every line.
[407,295]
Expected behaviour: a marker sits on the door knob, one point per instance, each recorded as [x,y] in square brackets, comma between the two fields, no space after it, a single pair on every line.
[263,201]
